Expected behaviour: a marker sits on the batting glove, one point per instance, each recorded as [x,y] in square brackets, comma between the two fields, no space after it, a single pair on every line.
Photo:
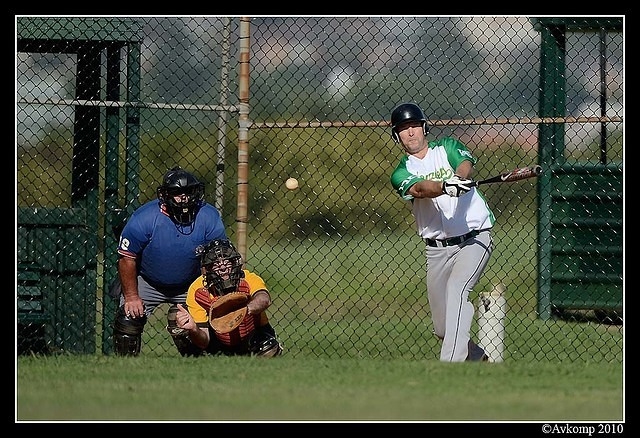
[456,186]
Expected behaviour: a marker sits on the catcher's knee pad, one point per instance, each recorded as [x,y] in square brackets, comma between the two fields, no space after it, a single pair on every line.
[264,343]
[179,335]
[127,334]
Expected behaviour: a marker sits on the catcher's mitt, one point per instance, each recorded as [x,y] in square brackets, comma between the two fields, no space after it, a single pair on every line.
[228,311]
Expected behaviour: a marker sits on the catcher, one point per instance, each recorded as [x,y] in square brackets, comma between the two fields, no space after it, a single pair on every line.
[226,306]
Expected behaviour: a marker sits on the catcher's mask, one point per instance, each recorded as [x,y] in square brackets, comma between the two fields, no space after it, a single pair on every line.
[222,264]
[407,112]
[182,195]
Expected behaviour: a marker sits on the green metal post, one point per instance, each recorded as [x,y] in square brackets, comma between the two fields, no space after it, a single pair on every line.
[551,144]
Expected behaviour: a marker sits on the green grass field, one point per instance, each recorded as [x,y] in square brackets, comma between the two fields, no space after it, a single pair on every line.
[287,389]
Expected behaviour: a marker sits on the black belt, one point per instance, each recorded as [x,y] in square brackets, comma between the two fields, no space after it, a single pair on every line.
[452,241]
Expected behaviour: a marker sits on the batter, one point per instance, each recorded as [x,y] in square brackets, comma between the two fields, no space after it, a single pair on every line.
[453,219]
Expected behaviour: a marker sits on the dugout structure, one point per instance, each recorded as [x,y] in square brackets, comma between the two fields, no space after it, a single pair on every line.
[580,257]
[57,246]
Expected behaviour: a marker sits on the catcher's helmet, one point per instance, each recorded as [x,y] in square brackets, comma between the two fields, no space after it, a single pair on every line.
[407,112]
[223,266]
[178,182]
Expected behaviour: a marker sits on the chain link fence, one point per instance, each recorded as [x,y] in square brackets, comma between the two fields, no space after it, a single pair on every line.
[104,106]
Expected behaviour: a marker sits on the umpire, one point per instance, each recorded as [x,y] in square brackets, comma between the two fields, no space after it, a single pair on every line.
[157,259]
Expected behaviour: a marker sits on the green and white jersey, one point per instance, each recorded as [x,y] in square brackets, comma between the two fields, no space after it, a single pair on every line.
[440,218]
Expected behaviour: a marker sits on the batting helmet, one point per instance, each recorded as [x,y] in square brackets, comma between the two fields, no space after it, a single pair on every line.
[407,112]
[178,182]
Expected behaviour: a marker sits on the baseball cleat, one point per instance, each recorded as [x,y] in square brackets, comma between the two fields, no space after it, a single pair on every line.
[476,353]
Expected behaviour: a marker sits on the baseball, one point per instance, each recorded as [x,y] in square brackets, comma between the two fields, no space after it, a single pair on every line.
[291,183]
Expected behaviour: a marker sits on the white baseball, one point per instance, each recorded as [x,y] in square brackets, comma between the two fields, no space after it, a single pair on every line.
[291,183]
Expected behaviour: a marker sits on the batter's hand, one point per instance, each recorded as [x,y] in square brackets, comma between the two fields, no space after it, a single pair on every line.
[456,186]
[184,319]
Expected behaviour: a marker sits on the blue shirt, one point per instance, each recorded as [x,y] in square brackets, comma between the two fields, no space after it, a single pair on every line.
[164,250]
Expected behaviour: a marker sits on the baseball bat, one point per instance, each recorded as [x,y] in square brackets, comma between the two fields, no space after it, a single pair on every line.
[515,175]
